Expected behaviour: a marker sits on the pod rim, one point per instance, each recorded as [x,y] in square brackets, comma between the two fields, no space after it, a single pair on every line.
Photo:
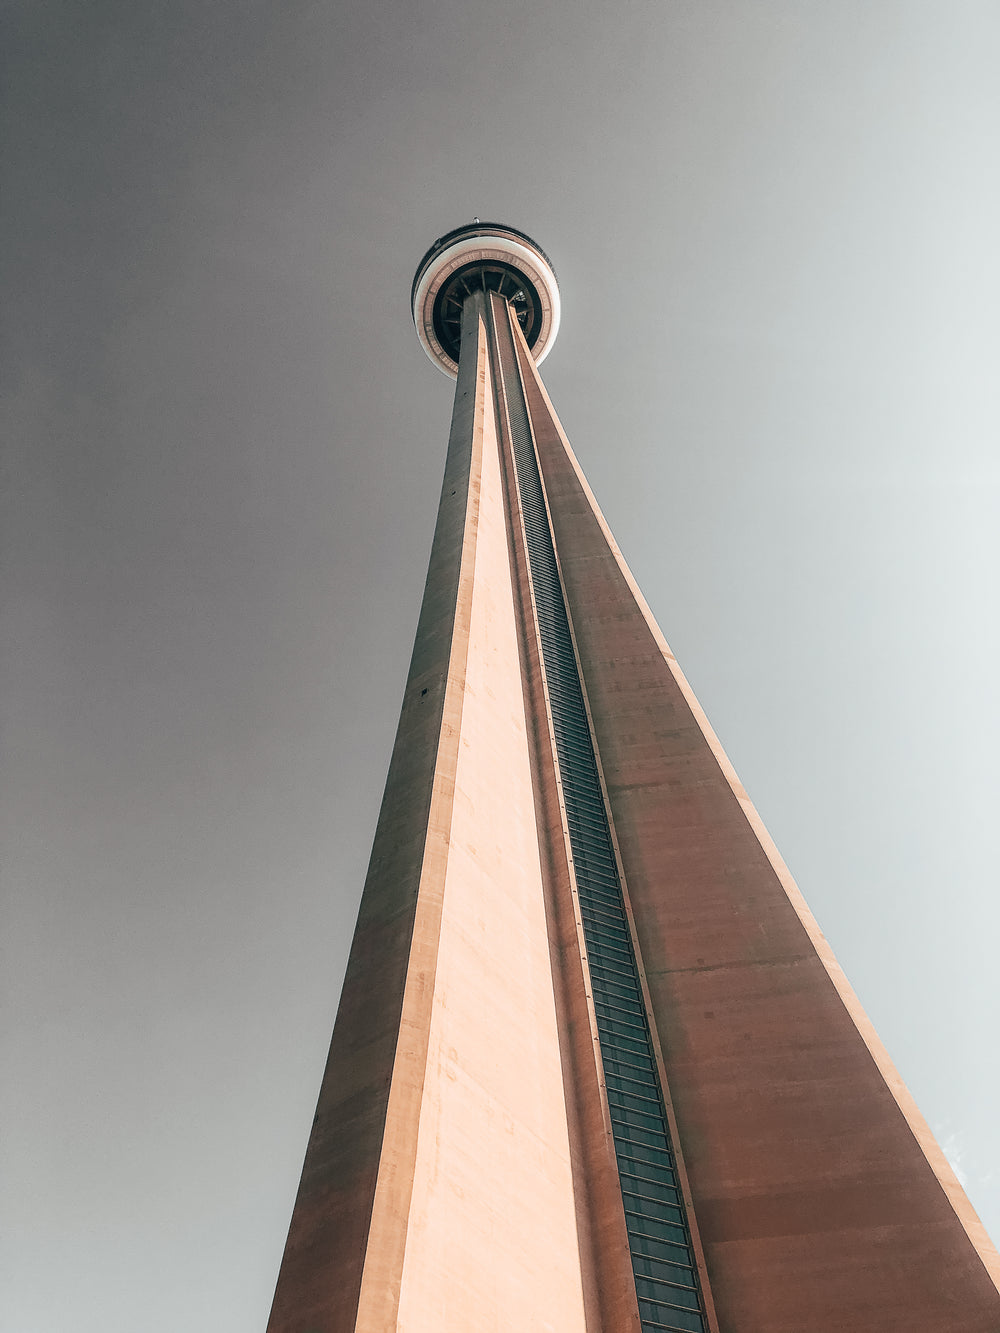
[494,246]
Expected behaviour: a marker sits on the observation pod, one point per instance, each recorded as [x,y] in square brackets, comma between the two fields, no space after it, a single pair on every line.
[484,256]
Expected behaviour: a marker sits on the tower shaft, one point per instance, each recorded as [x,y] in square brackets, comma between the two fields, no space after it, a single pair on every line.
[595,1067]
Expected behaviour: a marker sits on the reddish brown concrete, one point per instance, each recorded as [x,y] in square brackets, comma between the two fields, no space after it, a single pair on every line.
[822,1201]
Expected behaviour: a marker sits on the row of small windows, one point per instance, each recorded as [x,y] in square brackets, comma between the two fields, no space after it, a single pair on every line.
[662,1260]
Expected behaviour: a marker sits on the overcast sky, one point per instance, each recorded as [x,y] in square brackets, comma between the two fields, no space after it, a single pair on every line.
[775,226]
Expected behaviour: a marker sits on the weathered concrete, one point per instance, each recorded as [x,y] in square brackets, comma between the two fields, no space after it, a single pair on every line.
[820,1196]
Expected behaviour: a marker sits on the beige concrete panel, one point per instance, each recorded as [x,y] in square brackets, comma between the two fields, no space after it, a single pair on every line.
[321,1271]
[386,1240]
[491,1241]
[807,1158]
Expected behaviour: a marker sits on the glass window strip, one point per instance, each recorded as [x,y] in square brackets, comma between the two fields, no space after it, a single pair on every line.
[609,947]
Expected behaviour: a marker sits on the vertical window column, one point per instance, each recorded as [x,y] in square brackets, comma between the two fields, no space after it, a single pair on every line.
[662,1257]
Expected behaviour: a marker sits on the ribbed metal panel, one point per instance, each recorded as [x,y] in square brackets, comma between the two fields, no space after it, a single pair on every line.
[662,1259]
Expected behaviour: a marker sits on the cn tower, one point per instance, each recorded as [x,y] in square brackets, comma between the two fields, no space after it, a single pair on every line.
[595,1068]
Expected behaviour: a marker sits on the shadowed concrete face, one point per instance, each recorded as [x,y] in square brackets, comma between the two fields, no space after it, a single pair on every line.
[820,1195]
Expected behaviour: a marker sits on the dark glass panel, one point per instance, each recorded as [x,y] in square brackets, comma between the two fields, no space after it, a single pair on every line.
[643,1206]
[664,1316]
[667,1294]
[679,1275]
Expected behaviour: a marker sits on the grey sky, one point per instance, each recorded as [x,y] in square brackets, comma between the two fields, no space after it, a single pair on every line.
[775,226]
